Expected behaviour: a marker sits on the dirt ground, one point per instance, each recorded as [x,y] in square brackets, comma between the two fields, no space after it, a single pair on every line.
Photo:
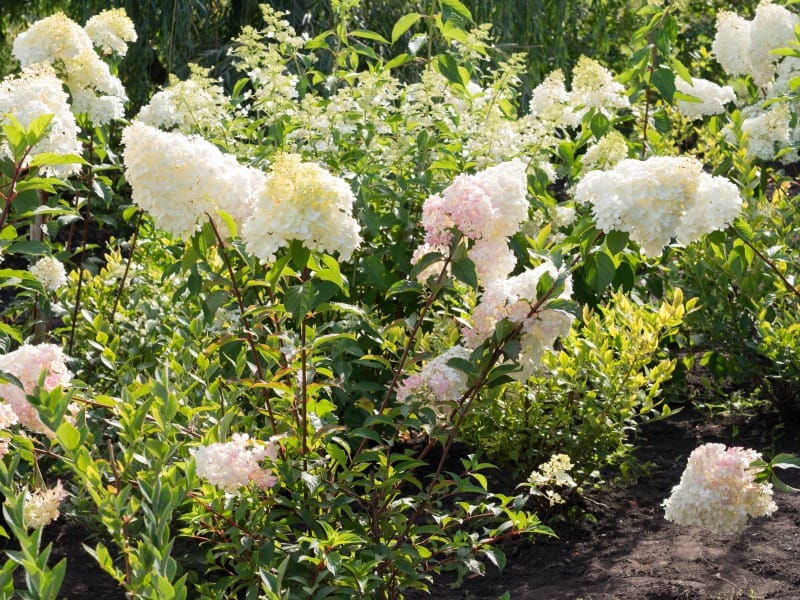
[632,553]
[628,553]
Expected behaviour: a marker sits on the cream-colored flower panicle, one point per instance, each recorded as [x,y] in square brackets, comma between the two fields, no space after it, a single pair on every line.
[718,490]
[181,180]
[111,31]
[304,202]
[35,92]
[658,199]
[62,43]
[41,506]
[50,272]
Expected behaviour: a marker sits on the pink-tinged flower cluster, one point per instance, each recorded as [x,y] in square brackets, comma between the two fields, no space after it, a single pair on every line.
[41,506]
[233,465]
[486,208]
[437,382]
[28,363]
[516,300]
[718,491]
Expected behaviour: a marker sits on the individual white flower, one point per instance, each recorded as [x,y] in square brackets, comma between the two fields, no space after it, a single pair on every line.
[304,202]
[35,92]
[111,30]
[712,97]
[41,506]
[657,199]
[718,490]
[180,180]
[50,272]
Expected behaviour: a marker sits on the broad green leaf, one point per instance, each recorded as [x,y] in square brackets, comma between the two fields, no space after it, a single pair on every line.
[403,24]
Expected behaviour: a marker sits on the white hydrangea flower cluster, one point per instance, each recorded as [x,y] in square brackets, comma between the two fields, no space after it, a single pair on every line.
[232,465]
[304,202]
[486,208]
[515,299]
[36,91]
[437,382]
[718,491]
[59,41]
[593,87]
[743,47]
[551,475]
[111,30]
[180,179]
[28,363]
[606,152]
[195,105]
[41,506]
[712,97]
[659,198]
[50,272]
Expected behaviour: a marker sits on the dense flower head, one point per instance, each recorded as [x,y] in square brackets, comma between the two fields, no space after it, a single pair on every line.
[235,464]
[194,105]
[41,506]
[437,382]
[35,92]
[606,152]
[28,364]
[50,272]
[550,475]
[111,30]
[550,99]
[712,97]
[180,179]
[743,47]
[768,131]
[593,86]
[51,39]
[718,490]
[516,300]
[659,198]
[59,41]
[302,201]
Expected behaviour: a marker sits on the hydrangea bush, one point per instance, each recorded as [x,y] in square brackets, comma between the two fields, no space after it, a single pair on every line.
[335,274]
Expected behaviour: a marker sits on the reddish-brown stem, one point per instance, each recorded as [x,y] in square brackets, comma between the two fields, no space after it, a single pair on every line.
[248,332]
[118,295]
[12,193]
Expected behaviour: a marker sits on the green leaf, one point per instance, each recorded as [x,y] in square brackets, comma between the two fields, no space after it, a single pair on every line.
[464,270]
[403,24]
[603,272]
[616,241]
[299,299]
[599,125]
[51,158]
[369,35]
[457,7]
[68,436]
[663,79]
[447,66]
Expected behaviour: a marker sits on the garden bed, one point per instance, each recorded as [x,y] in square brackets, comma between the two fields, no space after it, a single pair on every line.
[632,553]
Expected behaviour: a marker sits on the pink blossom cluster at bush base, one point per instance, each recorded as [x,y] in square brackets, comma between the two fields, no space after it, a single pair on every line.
[28,363]
[233,465]
[718,491]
